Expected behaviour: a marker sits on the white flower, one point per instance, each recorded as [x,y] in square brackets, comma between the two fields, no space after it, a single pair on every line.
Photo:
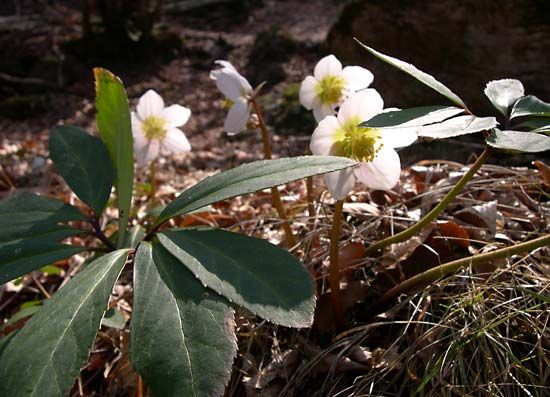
[379,165]
[330,85]
[155,127]
[237,91]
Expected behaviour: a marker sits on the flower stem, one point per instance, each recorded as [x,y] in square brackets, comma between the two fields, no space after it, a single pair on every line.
[275,195]
[451,267]
[309,193]
[334,269]
[98,233]
[153,176]
[434,213]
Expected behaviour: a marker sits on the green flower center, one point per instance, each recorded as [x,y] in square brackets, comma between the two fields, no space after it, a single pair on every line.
[330,89]
[154,128]
[227,103]
[358,143]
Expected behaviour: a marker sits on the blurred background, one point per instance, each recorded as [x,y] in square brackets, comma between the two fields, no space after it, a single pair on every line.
[47,50]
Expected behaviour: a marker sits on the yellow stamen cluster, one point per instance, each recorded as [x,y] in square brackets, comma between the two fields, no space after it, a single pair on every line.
[227,103]
[358,143]
[154,128]
[330,89]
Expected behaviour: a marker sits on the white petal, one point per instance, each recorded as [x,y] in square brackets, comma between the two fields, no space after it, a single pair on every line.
[226,65]
[150,104]
[504,93]
[237,117]
[147,153]
[340,183]
[363,105]
[327,66]
[320,111]
[399,137]
[175,141]
[322,139]
[357,78]
[231,83]
[176,115]
[307,92]
[383,172]
[139,137]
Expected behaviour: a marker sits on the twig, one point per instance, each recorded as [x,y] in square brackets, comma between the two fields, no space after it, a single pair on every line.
[434,213]
[97,232]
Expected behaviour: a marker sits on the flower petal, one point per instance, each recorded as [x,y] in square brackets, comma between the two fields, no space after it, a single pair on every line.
[176,115]
[357,78]
[139,137]
[322,139]
[320,110]
[327,66]
[364,105]
[237,117]
[340,183]
[226,65]
[399,137]
[381,173]
[147,153]
[307,92]
[175,141]
[231,83]
[150,104]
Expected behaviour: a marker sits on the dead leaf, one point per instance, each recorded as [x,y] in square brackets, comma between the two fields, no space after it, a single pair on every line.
[544,171]
[455,233]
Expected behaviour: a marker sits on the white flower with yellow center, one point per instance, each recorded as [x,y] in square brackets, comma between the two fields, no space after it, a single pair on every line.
[155,127]
[374,148]
[330,85]
[237,91]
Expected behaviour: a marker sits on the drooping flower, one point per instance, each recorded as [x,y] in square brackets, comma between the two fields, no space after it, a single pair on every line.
[155,127]
[374,148]
[237,91]
[330,85]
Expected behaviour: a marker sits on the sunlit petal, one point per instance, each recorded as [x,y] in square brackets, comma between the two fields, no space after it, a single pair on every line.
[147,153]
[327,66]
[176,115]
[340,183]
[357,78]
[399,137]
[322,139]
[176,141]
[383,172]
[237,117]
[150,104]
[307,92]
[363,105]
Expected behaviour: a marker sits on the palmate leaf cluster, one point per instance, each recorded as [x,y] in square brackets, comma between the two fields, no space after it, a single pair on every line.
[528,115]
[186,281]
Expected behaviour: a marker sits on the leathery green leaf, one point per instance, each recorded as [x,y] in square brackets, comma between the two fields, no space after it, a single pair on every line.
[249,178]
[253,273]
[528,142]
[419,75]
[45,357]
[84,163]
[113,122]
[183,341]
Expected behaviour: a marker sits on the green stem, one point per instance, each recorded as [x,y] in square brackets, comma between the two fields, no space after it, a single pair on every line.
[451,267]
[275,195]
[434,213]
[334,268]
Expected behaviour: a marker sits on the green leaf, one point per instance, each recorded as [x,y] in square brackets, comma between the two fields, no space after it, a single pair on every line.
[137,233]
[504,93]
[113,121]
[84,163]
[457,126]
[530,106]
[183,342]
[412,117]
[45,357]
[534,124]
[114,318]
[249,178]
[419,75]
[253,273]
[26,214]
[522,141]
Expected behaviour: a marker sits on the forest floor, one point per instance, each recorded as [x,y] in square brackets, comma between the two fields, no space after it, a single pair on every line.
[388,350]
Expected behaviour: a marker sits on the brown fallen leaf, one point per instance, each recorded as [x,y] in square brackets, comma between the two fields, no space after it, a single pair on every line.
[544,171]
[455,233]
